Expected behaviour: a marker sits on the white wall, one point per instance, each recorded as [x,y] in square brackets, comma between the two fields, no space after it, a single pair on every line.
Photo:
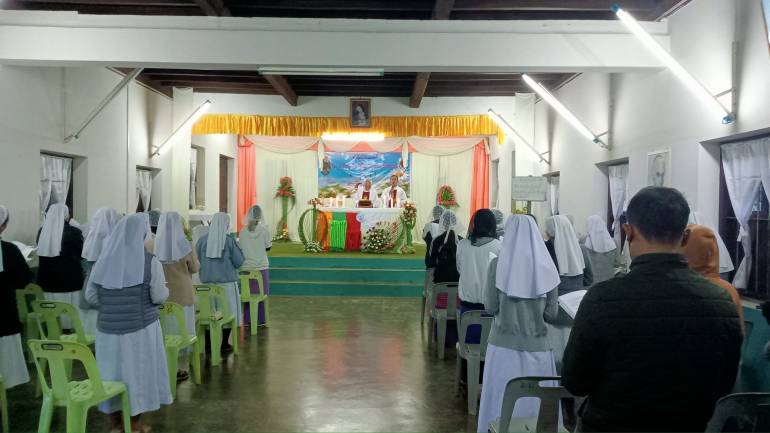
[653,111]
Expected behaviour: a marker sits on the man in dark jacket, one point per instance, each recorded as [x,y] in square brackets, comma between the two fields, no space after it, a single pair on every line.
[655,349]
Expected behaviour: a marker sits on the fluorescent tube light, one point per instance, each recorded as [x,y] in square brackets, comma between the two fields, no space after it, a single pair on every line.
[562,110]
[672,64]
[356,137]
[498,119]
[191,119]
[352,72]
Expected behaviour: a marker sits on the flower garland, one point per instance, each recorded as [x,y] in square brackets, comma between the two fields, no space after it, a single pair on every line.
[286,193]
[313,247]
[410,214]
[446,196]
[378,238]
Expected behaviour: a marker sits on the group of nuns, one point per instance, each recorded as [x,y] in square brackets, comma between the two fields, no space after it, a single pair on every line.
[116,278]
[508,269]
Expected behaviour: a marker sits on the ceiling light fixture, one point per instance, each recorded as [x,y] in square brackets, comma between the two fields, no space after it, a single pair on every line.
[498,119]
[191,119]
[674,66]
[320,71]
[354,136]
[563,111]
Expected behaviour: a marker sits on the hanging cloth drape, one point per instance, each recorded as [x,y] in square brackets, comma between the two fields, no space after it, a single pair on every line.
[618,181]
[552,198]
[353,233]
[193,173]
[746,167]
[247,181]
[480,185]
[338,231]
[143,188]
[55,175]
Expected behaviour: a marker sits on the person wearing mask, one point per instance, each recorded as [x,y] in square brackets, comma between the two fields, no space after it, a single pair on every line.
[393,196]
[255,241]
[521,292]
[702,254]
[473,256]
[127,286]
[653,350]
[100,227]
[601,249]
[443,250]
[180,262]
[570,259]
[431,230]
[14,275]
[59,248]
[220,259]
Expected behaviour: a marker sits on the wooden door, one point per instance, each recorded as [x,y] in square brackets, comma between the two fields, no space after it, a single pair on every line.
[223,185]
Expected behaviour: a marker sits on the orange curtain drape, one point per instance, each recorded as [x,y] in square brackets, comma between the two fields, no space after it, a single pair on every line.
[247,181]
[480,185]
[391,126]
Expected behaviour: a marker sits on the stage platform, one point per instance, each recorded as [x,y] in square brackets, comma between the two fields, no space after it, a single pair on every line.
[296,273]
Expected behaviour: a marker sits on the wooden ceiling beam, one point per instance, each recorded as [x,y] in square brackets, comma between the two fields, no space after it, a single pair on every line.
[283,88]
[442,10]
[335,5]
[552,5]
[418,90]
[213,8]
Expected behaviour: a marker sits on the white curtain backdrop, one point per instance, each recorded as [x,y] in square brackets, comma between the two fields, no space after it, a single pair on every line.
[143,187]
[552,198]
[746,167]
[193,170]
[618,180]
[55,175]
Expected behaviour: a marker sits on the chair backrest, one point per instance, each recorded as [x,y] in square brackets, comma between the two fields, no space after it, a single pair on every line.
[744,412]
[471,318]
[451,298]
[550,396]
[173,311]
[56,353]
[25,297]
[246,275]
[49,313]
[207,293]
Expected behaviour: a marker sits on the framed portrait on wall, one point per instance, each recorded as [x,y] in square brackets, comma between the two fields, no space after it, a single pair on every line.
[659,168]
[360,113]
[766,16]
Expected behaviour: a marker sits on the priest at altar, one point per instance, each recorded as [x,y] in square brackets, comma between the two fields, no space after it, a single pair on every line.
[393,196]
[365,193]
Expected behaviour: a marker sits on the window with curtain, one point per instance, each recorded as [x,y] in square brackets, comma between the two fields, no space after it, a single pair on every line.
[55,181]
[143,190]
[744,220]
[617,177]
[552,198]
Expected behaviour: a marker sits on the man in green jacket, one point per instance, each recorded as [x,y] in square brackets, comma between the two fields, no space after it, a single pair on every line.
[655,349]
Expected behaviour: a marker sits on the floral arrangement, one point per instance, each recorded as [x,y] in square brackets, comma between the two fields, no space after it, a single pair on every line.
[315,202]
[285,188]
[446,196]
[282,236]
[313,247]
[378,238]
[410,214]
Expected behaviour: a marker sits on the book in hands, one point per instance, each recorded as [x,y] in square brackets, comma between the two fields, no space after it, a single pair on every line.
[26,250]
[571,302]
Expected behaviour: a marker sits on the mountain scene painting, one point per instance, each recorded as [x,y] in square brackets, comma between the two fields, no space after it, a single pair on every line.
[342,172]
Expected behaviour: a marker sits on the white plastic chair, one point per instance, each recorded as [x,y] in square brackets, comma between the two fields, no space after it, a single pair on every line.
[473,354]
[440,316]
[547,419]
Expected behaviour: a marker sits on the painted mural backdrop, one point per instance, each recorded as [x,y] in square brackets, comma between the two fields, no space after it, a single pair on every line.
[342,172]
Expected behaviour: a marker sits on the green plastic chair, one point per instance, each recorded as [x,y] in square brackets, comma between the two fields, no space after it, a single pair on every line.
[28,318]
[440,316]
[76,396]
[547,419]
[473,354]
[253,299]
[211,299]
[4,405]
[49,313]
[175,342]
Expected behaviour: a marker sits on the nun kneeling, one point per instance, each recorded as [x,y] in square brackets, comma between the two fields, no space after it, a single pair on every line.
[127,285]
[521,293]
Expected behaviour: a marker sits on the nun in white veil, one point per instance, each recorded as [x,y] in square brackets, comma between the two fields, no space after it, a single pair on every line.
[127,285]
[568,255]
[521,293]
[601,249]
[100,227]
[220,259]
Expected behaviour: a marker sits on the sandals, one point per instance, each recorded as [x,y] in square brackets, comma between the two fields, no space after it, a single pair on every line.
[181,376]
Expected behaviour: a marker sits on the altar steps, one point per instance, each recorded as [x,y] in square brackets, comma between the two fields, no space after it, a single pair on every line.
[329,276]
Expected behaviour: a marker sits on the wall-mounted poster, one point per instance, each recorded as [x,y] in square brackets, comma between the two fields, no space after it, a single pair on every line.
[342,172]
[360,113]
[659,168]
[766,14]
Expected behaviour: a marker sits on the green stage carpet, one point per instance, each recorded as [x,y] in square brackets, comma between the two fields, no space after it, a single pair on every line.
[295,249]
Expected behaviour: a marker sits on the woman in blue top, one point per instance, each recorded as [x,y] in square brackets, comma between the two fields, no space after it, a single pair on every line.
[220,259]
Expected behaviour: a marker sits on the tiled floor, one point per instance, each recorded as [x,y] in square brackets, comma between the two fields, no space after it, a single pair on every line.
[325,364]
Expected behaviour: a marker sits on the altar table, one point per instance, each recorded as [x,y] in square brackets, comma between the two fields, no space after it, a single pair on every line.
[347,226]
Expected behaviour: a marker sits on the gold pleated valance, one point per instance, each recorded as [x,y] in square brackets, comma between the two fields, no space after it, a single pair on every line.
[391,126]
